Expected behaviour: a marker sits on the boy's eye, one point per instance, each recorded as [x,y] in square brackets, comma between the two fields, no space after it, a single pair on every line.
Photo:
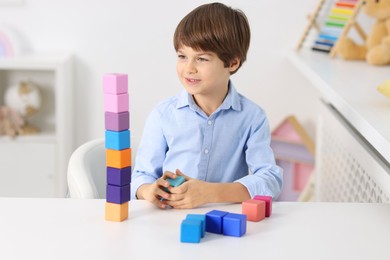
[202,59]
[181,57]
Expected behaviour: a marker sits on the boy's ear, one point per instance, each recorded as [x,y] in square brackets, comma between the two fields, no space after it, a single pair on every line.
[234,64]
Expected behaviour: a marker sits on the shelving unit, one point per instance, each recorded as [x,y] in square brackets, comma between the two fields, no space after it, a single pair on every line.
[350,101]
[35,165]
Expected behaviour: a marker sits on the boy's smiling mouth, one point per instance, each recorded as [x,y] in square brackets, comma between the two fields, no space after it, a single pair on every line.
[192,81]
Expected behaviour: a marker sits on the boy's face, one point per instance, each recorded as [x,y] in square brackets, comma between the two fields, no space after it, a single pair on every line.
[202,73]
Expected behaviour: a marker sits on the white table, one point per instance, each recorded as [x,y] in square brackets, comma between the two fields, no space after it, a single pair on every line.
[75,229]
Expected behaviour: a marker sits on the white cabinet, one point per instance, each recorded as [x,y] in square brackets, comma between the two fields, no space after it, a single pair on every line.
[35,165]
[353,139]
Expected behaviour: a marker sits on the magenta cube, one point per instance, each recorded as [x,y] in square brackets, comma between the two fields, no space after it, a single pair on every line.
[268,204]
[116,103]
[118,176]
[115,83]
[118,194]
[117,121]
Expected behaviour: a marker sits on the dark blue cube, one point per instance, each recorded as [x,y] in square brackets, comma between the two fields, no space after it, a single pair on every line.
[234,225]
[214,221]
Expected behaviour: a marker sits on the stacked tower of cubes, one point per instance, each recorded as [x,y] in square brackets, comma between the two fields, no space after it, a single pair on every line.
[118,147]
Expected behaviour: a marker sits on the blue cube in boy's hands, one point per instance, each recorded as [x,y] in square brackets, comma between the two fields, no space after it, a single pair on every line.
[175,182]
[214,221]
[234,224]
[190,231]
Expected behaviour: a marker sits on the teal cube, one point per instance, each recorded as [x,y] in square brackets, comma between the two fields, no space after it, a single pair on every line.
[117,140]
[200,217]
[175,182]
[190,231]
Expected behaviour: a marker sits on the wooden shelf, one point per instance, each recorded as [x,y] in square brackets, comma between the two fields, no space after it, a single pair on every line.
[36,61]
[43,156]
[351,87]
[36,138]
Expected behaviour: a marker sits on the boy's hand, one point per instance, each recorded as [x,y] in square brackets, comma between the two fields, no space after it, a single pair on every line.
[191,194]
[155,192]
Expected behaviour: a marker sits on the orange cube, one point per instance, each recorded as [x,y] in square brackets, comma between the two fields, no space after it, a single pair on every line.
[118,158]
[254,210]
[117,212]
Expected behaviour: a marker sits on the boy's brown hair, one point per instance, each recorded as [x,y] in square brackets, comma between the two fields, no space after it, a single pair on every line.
[217,28]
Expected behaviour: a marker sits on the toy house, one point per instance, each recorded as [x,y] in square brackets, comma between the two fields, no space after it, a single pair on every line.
[294,152]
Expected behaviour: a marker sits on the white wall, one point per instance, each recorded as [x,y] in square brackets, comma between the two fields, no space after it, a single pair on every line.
[135,37]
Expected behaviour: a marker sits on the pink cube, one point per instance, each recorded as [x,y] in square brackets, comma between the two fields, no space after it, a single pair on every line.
[268,204]
[116,103]
[254,209]
[115,83]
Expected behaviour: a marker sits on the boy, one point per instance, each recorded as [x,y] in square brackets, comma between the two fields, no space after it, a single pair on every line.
[210,134]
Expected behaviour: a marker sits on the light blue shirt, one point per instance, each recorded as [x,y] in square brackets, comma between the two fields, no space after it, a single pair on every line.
[222,147]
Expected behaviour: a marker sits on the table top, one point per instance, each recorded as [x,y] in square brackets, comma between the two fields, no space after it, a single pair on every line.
[76,229]
[351,87]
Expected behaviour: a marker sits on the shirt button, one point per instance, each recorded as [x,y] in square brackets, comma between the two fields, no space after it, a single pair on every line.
[209,122]
[206,151]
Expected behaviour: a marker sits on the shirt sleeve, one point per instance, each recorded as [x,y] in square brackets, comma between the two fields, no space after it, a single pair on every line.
[265,176]
[150,154]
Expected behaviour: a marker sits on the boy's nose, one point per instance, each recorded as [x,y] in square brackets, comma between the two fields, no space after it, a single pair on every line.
[190,67]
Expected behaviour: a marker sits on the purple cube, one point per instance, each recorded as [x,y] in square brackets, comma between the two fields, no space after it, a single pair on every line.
[118,177]
[118,194]
[117,121]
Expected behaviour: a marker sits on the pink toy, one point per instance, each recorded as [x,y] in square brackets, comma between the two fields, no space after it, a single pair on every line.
[268,204]
[254,209]
[116,103]
[294,152]
[115,83]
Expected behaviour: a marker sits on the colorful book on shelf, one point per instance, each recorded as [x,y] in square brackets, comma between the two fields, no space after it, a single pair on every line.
[333,25]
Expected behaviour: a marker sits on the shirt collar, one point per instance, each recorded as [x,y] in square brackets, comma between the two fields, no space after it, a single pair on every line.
[232,100]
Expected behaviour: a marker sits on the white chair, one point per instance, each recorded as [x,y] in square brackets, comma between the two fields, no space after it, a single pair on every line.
[87,170]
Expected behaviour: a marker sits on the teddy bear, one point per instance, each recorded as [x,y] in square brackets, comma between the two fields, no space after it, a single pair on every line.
[21,101]
[376,49]
[11,122]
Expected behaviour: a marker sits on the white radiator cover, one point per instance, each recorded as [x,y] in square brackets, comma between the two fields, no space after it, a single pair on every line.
[348,169]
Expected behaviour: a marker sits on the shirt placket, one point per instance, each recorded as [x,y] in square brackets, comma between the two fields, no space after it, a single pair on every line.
[206,148]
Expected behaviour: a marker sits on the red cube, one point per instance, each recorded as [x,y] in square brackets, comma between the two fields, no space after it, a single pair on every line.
[254,209]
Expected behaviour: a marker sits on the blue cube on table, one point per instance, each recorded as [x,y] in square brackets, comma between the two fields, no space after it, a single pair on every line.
[190,231]
[234,224]
[214,221]
[200,217]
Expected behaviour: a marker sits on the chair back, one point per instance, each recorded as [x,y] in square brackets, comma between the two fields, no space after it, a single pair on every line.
[86,171]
